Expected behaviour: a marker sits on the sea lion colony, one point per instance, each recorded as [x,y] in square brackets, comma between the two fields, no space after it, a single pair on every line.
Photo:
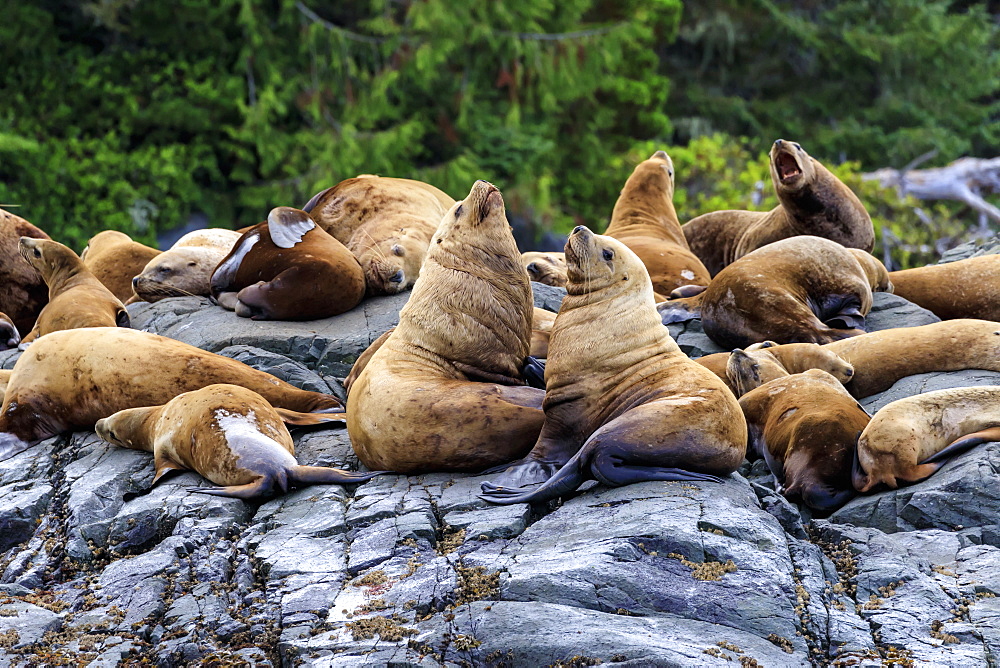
[450,389]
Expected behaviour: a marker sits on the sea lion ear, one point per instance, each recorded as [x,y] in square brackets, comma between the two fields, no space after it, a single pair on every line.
[287,226]
[398,250]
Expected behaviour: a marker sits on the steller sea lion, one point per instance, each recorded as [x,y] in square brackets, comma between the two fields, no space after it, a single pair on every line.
[644,219]
[445,391]
[76,297]
[227,434]
[288,269]
[9,336]
[547,268]
[115,260]
[186,268]
[387,223]
[964,289]
[622,403]
[911,438]
[71,379]
[23,292]
[811,201]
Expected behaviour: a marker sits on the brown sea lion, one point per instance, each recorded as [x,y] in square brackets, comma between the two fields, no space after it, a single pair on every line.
[445,391]
[9,336]
[622,403]
[227,434]
[811,201]
[547,268]
[802,289]
[878,275]
[804,426]
[644,219]
[115,260]
[76,297]
[911,438]
[23,292]
[4,380]
[288,269]
[186,268]
[71,379]
[965,289]
[387,223]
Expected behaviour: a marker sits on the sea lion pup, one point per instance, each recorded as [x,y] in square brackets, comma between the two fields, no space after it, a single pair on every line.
[964,289]
[799,290]
[186,268]
[115,259]
[227,434]
[288,269]
[804,426]
[76,297]
[547,268]
[9,336]
[23,292]
[445,391]
[762,365]
[387,223]
[811,201]
[71,379]
[911,438]
[622,403]
[644,219]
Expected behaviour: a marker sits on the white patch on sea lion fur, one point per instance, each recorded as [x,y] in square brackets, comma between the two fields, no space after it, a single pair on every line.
[687,274]
[246,441]
[286,232]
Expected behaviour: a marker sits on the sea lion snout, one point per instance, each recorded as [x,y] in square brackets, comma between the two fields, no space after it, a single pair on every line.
[398,277]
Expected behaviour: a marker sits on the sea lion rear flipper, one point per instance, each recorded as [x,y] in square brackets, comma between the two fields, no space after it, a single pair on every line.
[310,475]
[262,487]
[963,444]
[297,419]
[565,480]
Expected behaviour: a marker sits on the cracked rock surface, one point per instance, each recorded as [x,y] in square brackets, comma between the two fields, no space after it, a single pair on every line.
[419,571]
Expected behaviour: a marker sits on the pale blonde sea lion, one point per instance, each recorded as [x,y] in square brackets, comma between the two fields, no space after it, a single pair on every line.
[186,268]
[547,268]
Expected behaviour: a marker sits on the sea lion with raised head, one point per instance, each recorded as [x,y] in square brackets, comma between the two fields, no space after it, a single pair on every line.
[644,219]
[910,439]
[622,403]
[76,297]
[23,292]
[115,259]
[227,434]
[71,379]
[547,268]
[387,223]
[186,268]
[445,391]
[967,288]
[288,268]
[812,201]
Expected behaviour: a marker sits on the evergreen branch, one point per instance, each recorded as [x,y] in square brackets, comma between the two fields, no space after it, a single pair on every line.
[560,36]
[316,18]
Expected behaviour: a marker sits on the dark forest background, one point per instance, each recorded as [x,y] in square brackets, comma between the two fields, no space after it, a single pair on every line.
[135,114]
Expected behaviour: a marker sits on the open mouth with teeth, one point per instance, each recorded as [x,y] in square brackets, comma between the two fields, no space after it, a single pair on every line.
[787,167]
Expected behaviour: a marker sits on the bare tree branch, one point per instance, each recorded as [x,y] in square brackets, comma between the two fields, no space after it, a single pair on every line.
[961,181]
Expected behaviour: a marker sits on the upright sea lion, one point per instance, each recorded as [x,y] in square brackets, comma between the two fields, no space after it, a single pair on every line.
[387,223]
[965,289]
[9,336]
[805,426]
[288,269]
[76,297]
[622,403]
[115,260]
[227,434]
[23,292]
[186,268]
[71,379]
[445,391]
[547,268]
[644,219]
[811,201]
[911,438]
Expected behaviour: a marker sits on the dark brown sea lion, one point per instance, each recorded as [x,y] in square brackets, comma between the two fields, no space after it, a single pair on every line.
[115,260]
[227,434]
[445,391]
[547,268]
[965,289]
[812,201]
[288,268]
[622,403]
[23,292]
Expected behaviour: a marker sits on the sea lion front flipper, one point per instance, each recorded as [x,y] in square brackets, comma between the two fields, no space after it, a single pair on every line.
[297,419]
[523,473]
[963,444]
[164,468]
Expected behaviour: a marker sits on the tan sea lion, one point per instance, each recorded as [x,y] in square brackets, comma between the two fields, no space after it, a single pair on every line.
[71,379]
[4,380]
[811,201]
[76,297]
[746,370]
[547,268]
[445,391]
[9,336]
[644,219]
[227,434]
[622,403]
[965,289]
[23,292]
[804,426]
[115,260]
[878,275]
[186,268]
[387,223]
[802,289]
[911,438]
[288,269]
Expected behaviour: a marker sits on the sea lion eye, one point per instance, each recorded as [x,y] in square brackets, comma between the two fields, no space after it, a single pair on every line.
[191,264]
[608,253]
[798,147]
[37,252]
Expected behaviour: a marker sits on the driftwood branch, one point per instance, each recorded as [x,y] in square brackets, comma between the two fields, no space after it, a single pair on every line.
[963,180]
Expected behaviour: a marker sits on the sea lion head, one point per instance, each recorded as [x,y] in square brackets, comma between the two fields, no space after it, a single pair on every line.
[482,210]
[123,427]
[391,265]
[655,175]
[547,268]
[595,262]
[791,166]
[180,272]
[744,370]
[46,256]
